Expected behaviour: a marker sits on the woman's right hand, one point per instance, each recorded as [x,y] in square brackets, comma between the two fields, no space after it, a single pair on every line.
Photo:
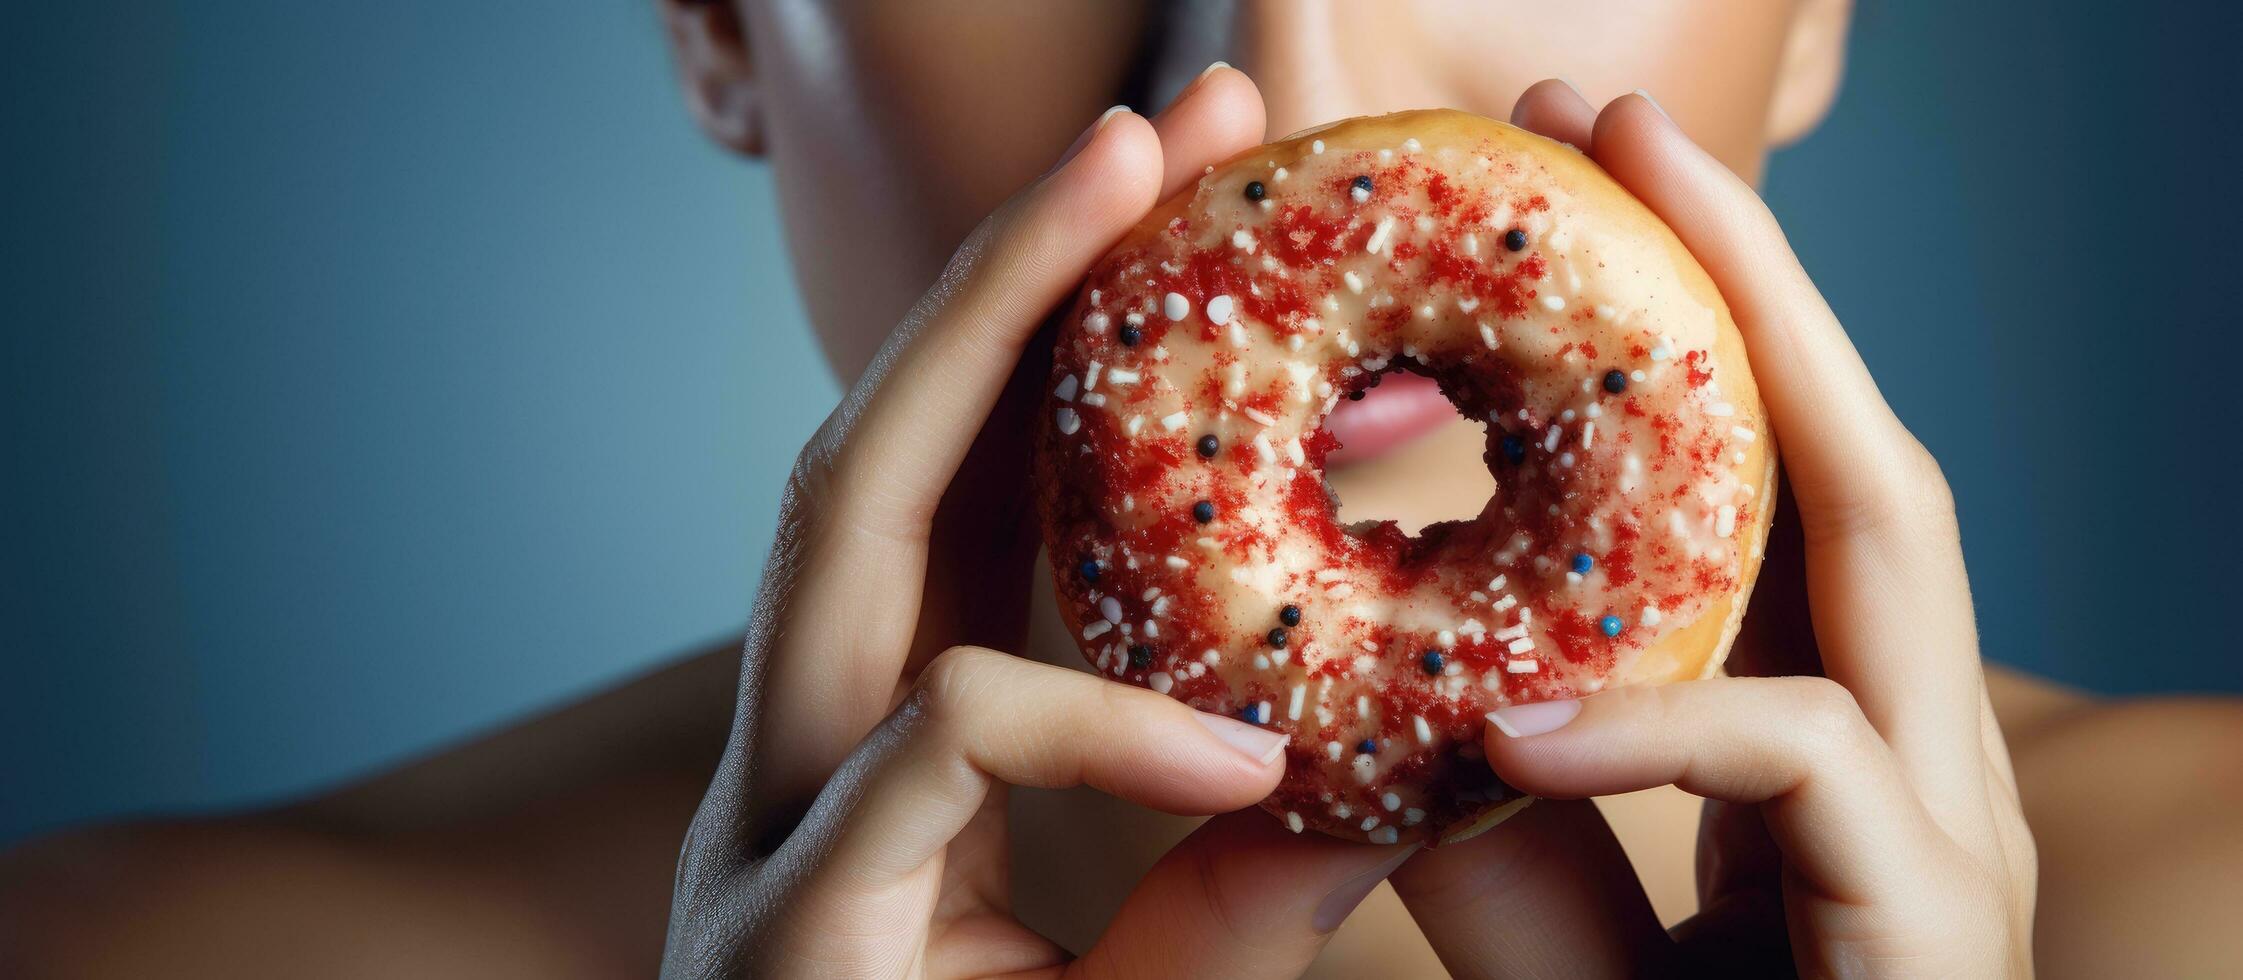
[857,822]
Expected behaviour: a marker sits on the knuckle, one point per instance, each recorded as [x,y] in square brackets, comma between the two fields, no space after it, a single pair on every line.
[1830,720]
[953,679]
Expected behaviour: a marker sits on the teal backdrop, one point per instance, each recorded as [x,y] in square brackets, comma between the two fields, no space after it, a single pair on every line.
[378,373]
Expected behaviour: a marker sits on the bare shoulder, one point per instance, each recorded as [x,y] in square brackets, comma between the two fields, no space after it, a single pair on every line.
[2137,808]
[542,850]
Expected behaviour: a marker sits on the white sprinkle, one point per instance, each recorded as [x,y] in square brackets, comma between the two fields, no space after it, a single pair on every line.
[1487,336]
[1363,705]
[1069,421]
[1243,240]
[1365,768]
[1262,711]
[1424,731]
[1066,390]
[1262,448]
[1090,377]
[1238,334]
[1479,596]
[1110,608]
[1743,434]
[1725,520]
[1160,682]
[1370,822]
[1260,417]
[1332,750]
[1721,410]
[1496,584]
[1277,176]
[1446,638]
[1316,146]
[1330,575]
[1175,307]
[1637,375]
[1511,632]
[1553,302]
[1550,441]
[1354,282]
[1134,319]
[1565,459]
[1594,411]
[1293,822]
[1123,376]
[1522,666]
[1135,425]
[1359,193]
[1096,629]
[1603,312]
[1521,645]
[1152,630]
[1425,312]
[1379,235]
[1385,835]
[1391,802]
[1294,453]
[1650,616]
[1160,605]
[1588,432]
[1412,816]
[1175,421]
[1409,146]
[1220,308]
[1094,399]
[1300,697]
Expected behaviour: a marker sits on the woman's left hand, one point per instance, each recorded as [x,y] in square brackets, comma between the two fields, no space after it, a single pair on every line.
[1862,817]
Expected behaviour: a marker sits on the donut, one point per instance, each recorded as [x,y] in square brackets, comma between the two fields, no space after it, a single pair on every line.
[1195,548]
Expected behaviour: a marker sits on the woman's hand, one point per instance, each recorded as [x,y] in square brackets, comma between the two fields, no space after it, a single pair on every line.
[1860,822]
[857,823]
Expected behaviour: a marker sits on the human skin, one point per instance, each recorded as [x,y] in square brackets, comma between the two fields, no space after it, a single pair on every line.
[891,129]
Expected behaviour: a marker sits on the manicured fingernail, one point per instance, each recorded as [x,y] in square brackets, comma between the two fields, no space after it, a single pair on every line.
[1210,69]
[1084,139]
[1654,104]
[1258,744]
[1568,83]
[1525,720]
[1335,907]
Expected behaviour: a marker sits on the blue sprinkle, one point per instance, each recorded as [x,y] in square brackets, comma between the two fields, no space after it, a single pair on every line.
[1089,570]
[1203,512]
[1252,714]
[1514,449]
[1368,746]
[1611,625]
[1582,563]
[1362,182]
[1615,382]
[1433,661]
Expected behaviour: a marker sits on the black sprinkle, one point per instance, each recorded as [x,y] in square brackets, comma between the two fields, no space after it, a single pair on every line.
[1515,240]
[1203,512]
[1433,661]
[1615,382]
[1290,615]
[1277,638]
[1514,449]
[1362,183]
[1356,395]
[1254,190]
[1088,569]
[1131,335]
[1140,656]
[1209,446]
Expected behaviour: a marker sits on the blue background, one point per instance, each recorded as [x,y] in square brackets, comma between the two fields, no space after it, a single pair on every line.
[377,373]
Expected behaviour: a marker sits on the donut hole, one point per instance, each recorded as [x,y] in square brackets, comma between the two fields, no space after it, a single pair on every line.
[1437,476]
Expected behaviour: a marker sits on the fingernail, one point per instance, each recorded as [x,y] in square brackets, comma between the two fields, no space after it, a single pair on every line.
[1258,744]
[1084,139]
[1210,69]
[1654,104]
[1568,83]
[1336,906]
[1526,720]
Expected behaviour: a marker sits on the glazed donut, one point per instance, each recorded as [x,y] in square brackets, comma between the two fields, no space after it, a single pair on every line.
[1194,544]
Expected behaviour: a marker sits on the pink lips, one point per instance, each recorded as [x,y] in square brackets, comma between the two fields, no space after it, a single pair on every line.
[1403,407]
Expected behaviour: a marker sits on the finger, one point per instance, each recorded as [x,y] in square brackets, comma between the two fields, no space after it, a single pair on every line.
[1833,797]
[1214,118]
[1554,108]
[1240,897]
[978,717]
[1877,519]
[859,502]
[1548,892]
